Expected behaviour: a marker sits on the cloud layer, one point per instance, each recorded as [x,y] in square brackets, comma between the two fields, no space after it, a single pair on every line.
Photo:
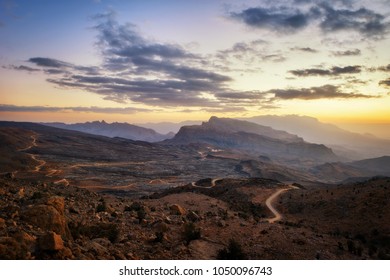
[144,71]
[341,16]
[93,109]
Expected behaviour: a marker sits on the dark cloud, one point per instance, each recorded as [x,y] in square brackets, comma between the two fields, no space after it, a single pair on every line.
[49,62]
[55,71]
[93,109]
[308,50]
[340,16]
[22,68]
[362,20]
[139,69]
[245,95]
[323,92]
[384,68]
[281,19]
[334,71]
[385,83]
[354,52]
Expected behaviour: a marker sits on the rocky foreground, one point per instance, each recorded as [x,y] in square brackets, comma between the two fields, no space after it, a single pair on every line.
[228,221]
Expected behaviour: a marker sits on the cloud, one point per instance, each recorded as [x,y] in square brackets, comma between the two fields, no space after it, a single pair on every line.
[93,109]
[323,92]
[22,68]
[363,20]
[290,17]
[308,50]
[385,83]
[384,68]
[354,52]
[138,69]
[334,71]
[278,19]
[241,95]
[49,62]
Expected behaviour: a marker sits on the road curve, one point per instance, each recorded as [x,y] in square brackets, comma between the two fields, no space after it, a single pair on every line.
[213,182]
[271,199]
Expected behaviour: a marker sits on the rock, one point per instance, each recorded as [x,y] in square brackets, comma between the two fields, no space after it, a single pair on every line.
[176,209]
[2,223]
[193,217]
[57,202]
[203,250]
[221,223]
[50,242]
[160,227]
[48,217]
[20,193]
[96,248]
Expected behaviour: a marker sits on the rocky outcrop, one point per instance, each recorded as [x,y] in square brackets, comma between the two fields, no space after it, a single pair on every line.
[50,242]
[49,216]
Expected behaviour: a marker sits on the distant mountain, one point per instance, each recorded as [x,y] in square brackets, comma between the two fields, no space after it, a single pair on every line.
[123,130]
[339,171]
[168,127]
[351,146]
[379,166]
[254,139]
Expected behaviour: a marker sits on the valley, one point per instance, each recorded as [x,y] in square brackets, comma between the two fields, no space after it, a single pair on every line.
[224,181]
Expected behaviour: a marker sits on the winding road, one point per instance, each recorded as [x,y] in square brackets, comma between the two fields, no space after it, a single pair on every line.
[42,163]
[213,182]
[271,199]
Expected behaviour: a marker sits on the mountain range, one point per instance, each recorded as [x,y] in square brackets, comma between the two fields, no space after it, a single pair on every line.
[123,130]
[346,144]
[256,139]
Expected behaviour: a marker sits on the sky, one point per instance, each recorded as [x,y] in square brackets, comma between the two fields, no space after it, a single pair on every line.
[143,61]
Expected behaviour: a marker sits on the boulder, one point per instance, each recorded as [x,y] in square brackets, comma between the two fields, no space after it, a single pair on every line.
[176,209]
[57,202]
[50,242]
[193,217]
[49,216]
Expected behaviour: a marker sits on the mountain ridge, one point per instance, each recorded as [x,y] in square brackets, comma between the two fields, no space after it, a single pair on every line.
[115,129]
[235,134]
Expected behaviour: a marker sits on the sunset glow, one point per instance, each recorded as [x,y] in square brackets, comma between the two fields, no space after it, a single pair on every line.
[150,61]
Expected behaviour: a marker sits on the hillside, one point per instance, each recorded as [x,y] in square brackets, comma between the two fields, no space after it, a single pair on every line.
[70,195]
[115,129]
[351,146]
[46,221]
[251,138]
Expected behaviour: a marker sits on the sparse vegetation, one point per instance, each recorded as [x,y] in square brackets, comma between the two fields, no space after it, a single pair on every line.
[232,252]
[191,232]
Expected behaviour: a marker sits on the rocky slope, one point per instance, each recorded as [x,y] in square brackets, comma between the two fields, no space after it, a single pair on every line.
[48,221]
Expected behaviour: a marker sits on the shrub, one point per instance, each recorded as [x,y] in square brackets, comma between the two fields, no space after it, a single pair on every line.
[102,207]
[232,252]
[191,232]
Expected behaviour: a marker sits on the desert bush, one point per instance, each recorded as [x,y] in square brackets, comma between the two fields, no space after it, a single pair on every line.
[102,207]
[232,252]
[191,232]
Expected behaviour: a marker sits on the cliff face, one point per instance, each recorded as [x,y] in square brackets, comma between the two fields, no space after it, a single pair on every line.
[233,134]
